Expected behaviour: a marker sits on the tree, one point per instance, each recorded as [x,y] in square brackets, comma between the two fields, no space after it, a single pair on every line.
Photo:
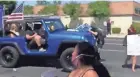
[9,6]
[50,9]
[99,9]
[72,9]
[28,9]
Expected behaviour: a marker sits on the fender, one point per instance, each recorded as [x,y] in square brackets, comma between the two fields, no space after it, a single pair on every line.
[72,41]
[67,44]
[14,44]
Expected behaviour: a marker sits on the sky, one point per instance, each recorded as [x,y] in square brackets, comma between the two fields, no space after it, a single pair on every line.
[33,2]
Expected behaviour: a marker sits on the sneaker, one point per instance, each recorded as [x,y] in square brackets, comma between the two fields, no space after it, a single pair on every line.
[124,65]
[42,50]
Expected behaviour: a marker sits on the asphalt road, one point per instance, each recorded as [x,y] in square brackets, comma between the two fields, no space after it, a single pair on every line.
[113,53]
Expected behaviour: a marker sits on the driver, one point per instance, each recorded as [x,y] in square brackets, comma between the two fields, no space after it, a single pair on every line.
[31,35]
[52,28]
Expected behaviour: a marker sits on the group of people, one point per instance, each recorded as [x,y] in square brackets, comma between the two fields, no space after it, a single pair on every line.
[84,58]
[29,35]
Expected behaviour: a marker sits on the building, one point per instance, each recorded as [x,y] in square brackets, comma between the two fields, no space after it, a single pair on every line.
[123,13]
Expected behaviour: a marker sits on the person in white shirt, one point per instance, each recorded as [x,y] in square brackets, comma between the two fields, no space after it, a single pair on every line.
[105,26]
[105,23]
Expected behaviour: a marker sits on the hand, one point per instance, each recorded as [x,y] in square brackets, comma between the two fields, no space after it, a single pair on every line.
[35,34]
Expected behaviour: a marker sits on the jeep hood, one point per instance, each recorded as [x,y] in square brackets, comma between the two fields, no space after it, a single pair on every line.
[74,33]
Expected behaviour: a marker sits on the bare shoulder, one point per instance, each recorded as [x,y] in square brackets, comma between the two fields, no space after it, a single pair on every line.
[91,73]
[71,74]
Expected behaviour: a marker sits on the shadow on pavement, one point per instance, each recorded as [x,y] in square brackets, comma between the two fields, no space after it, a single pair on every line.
[39,62]
[130,65]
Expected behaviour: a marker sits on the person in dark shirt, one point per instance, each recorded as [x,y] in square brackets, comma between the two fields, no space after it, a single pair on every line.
[108,27]
[31,35]
[94,32]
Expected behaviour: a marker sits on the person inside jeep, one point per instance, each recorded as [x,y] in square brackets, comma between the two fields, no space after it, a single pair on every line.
[13,30]
[34,36]
[52,28]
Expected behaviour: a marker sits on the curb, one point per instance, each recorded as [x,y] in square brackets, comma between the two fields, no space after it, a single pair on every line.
[115,37]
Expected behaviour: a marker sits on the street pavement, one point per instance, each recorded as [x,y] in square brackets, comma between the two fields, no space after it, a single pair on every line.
[113,54]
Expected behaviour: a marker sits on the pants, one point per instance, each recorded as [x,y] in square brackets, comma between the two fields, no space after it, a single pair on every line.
[108,30]
[127,58]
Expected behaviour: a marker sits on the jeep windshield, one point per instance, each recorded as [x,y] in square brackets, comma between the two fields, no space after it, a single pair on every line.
[54,25]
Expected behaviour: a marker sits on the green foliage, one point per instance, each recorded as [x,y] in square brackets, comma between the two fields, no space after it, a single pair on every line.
[137,27]
[99,9]
[50,9]
[72,9]
[9,6]
[28,10]
[116,30]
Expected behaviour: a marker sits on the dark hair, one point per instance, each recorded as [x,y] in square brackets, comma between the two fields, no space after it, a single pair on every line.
[87,49]
[90,55]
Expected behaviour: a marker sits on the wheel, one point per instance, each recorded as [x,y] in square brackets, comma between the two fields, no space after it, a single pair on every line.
[9,57]
[65,59]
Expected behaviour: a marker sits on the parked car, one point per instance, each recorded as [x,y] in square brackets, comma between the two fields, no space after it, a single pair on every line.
[59,43]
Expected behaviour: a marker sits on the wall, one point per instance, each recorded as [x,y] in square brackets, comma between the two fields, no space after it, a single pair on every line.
[66,20]
[122,22]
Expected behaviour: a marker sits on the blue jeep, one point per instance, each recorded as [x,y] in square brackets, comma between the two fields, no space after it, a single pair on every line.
[59,43]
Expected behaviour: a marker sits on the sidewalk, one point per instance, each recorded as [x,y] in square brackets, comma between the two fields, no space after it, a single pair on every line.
[116,36]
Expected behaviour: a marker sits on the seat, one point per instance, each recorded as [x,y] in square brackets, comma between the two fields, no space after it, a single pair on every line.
[32,44]
[1,32]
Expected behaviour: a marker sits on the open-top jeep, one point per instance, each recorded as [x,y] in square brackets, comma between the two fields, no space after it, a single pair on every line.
[59,42]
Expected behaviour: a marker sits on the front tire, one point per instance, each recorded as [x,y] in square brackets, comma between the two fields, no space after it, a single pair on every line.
[9,57]
[65,59]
